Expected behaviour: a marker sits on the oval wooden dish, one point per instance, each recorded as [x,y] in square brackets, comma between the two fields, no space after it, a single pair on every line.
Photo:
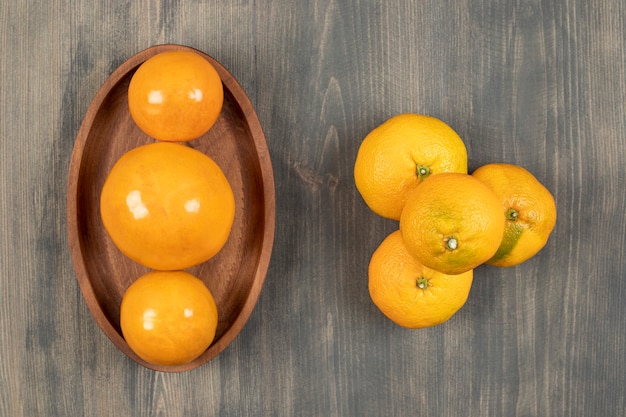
[236,142]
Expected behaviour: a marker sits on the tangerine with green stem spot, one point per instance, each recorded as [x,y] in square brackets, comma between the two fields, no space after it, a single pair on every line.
[452,223]
[528,208]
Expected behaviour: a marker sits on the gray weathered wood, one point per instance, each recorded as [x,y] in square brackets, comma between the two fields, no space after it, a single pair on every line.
[536,83]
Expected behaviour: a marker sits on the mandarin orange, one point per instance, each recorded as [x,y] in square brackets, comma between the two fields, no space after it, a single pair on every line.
[175,96]
[398,155]
[167,206]
[528,208]
[168,317]
[409,293]
[452,223]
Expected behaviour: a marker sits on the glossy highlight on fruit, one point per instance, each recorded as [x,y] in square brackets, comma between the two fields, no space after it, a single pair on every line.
[168,318]
[167,206]
[175,96]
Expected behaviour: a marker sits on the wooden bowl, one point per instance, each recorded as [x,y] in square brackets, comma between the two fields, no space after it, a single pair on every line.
[236,142]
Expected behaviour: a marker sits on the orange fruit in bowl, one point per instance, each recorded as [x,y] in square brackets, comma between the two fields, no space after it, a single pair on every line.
[452,223]
[175,96]
[409,293]
[167,206]
[398,155]
[528,208]
[168,317]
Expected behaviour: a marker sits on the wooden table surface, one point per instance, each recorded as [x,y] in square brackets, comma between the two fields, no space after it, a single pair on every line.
[535,83]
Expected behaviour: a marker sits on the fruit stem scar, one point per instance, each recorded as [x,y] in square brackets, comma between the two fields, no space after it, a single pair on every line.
[512,214]
[422,171]
[451,243]
[422,283]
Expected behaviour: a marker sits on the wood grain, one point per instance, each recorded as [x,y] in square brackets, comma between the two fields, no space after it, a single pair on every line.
[536,83]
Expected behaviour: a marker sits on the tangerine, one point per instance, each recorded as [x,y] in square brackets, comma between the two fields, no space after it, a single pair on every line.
[452,223]
[528,208]
[398,155]
[175,96]
[168,317]
[409,293]
[167,206]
